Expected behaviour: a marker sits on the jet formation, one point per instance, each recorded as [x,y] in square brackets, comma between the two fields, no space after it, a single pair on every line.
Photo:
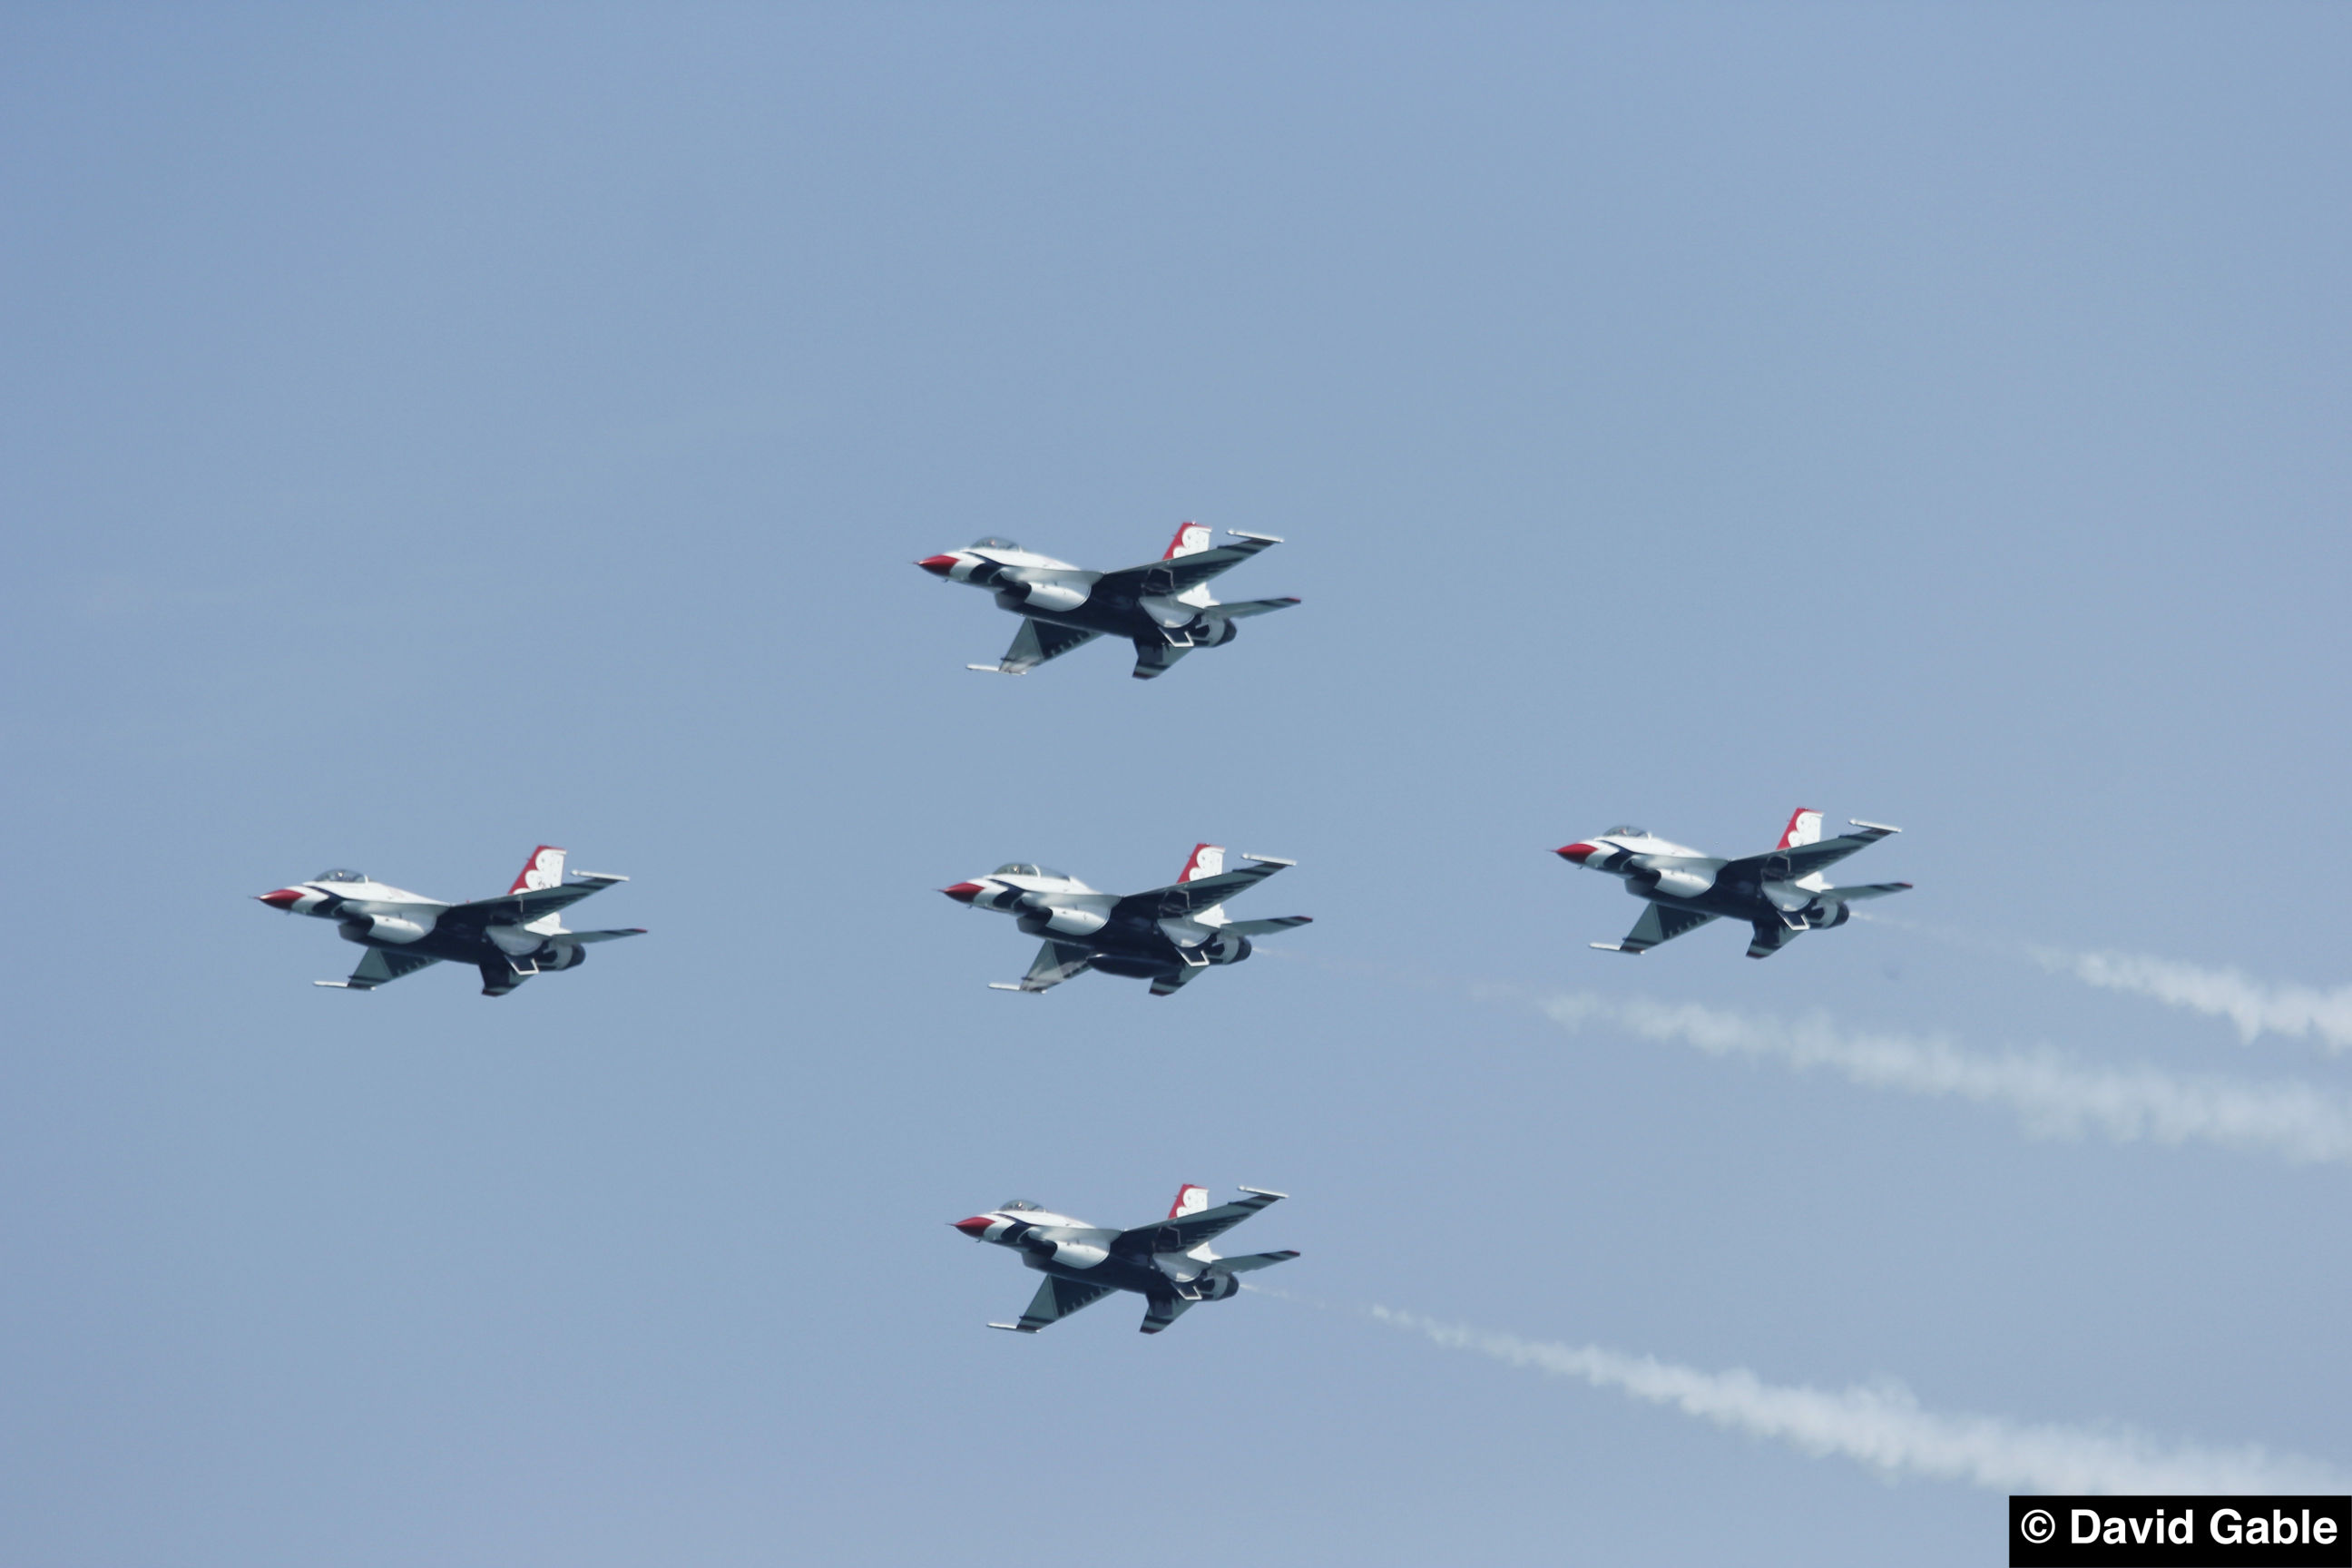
[507,938]
[1780,894]
[1166,935]
[1171,1265]
[1163,608]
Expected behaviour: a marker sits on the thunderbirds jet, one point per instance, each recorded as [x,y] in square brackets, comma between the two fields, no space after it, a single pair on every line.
[1168,1264]
[1167,935]
[1163,608]
[1780,894]
[508,939]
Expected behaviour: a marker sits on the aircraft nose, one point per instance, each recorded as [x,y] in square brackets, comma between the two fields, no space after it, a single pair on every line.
[938,565]
[974,1227]
[962,892]
[1576,852]
[283,899]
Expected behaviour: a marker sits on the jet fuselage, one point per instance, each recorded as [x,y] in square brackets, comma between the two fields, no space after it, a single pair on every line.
[1683,878]
[1062,595]
[1063,908]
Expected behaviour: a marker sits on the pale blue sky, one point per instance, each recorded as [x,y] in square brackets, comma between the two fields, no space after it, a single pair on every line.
[432,431]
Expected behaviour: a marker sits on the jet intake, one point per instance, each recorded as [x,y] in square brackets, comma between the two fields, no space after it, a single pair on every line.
[1051,921]
[1077,1255]
[1044,594]
[384,928]
[1677,883]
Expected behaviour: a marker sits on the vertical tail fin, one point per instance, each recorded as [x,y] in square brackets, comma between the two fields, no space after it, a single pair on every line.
[1804,827]
[1191,538]
[544,869]
[1189,1199]
[1208,861]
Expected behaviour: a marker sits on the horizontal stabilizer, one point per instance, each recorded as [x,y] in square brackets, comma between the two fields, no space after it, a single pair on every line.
[1866,891]
[604,935]
[1244,1264]
[1265,928]
[1241,607]
[1260,538]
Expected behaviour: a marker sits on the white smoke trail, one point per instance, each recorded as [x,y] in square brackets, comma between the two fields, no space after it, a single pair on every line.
[2255,1008]
[2296,1011]
[1882,1425]
[2053,1095]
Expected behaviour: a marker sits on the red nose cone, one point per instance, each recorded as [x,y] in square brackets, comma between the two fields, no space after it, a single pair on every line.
[283,899]
[1576,852]
[976,1227]
[962,892]
[938,565]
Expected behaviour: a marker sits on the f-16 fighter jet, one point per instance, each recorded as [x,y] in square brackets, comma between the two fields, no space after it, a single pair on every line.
[508,939]
[1780,895]
[1169,1263]
[1163,608]
[1166,935]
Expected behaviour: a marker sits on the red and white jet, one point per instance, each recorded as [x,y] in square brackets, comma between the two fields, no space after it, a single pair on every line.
[508,939]
[1163,608]
[1169,1263]
[1780,894]
[1166,935]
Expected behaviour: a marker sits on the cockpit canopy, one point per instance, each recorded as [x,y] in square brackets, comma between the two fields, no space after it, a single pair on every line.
[1626,830]
[992,542]
[338,874]
[1019,1205]
[1022,868]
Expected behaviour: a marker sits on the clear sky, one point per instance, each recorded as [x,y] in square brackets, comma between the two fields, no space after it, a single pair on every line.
[434,431]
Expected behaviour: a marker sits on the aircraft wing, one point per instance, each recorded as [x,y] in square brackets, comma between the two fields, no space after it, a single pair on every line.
[1055,1299]
[1658,924]
[531,904]
[1804,859]
[1169,577]
[381,966]
[1033,643]
[1057,962]
[1186,1232]
[1201,893]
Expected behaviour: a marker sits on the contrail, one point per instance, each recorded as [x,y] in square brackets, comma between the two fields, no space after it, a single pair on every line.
[2052,1094]
[2296,1011]
[1881,1424]
[2256,1009]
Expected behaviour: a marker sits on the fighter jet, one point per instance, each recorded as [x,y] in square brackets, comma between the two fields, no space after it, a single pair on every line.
[1780,895]
[1163,608]
[1167,935]
[508,939]
[1168,1264]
